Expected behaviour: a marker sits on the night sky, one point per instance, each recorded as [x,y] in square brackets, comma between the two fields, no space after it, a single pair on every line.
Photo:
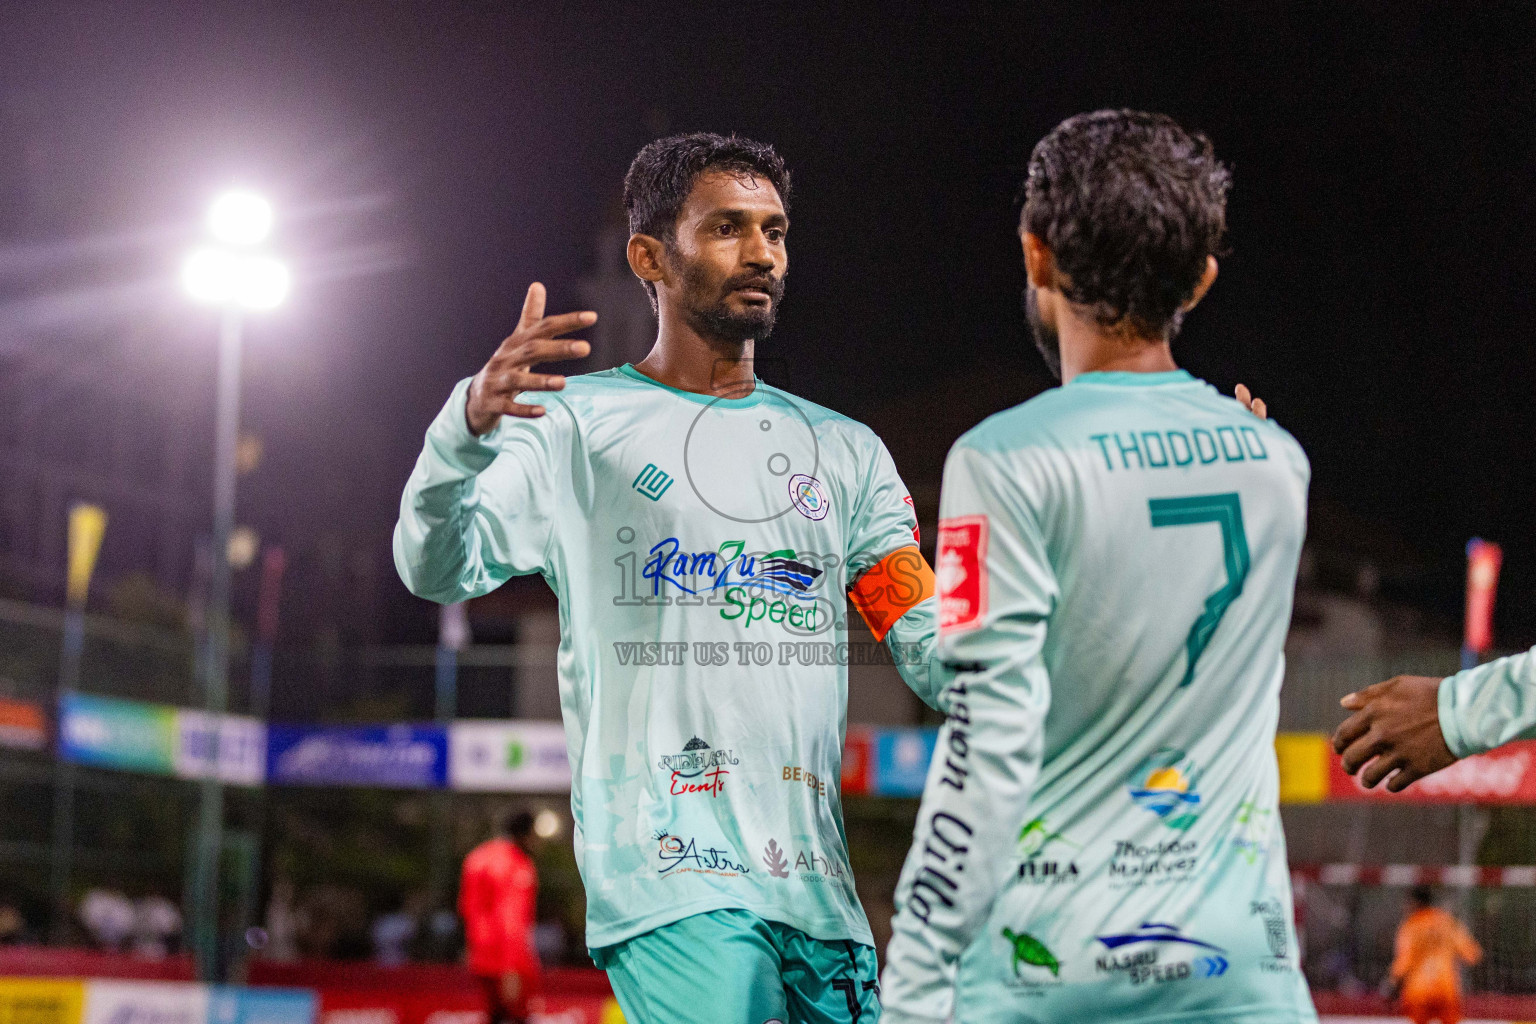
[435,157]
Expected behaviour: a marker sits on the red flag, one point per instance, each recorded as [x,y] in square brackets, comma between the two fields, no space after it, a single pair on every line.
[1483,562]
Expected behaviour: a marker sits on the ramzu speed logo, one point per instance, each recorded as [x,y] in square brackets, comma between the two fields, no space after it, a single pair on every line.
[962,572]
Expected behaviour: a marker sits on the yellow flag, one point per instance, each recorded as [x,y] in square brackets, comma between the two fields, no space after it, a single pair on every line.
[87,523]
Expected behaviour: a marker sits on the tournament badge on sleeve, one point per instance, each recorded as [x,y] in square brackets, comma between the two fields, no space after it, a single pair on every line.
[962,572]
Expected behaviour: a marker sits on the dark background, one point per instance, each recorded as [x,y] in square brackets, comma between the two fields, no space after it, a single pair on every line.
[430,159]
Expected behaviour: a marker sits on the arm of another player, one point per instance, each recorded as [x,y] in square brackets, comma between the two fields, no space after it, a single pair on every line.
[1416,725]
[891,583]
[996,593]
[457,539]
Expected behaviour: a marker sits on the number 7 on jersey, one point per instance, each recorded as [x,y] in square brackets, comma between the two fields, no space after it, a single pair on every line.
[1225,510]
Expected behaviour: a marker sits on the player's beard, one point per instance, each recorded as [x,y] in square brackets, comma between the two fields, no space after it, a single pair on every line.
[1047,340]
[708,310]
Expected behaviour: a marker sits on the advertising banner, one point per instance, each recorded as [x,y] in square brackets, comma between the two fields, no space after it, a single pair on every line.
[145,1002]
[23,725]
[110,733]
[858,759]
[390,756]
[508,757]
[41,1001]
[242,752]
[231,1005]
[901,760]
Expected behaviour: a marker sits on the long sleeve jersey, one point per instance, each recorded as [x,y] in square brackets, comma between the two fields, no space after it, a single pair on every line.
[1490,705]
[1099,836]
[703,551]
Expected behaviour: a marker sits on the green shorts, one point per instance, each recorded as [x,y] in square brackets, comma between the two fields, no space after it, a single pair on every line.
[733,967]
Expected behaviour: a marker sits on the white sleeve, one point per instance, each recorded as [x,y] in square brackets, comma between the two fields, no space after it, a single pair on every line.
[997,590]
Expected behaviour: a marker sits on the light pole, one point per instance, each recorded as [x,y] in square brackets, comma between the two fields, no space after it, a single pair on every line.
[236,278]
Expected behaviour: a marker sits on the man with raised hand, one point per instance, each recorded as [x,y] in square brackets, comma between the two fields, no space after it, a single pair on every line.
[1412,726]
[701,529]
[1099,838]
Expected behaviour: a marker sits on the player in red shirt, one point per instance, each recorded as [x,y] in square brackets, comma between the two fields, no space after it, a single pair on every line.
[497,893]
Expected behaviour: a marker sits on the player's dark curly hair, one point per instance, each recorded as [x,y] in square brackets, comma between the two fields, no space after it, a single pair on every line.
[1130,205]
[663,173]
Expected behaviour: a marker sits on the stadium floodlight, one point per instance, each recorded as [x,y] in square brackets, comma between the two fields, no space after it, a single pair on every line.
[224,278]
[237,278]
[240,218]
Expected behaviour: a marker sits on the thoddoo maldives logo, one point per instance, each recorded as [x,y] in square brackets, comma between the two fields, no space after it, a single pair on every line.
[1167,784]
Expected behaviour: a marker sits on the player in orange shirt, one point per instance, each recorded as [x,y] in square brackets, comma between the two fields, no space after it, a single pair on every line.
[1431,947]
[497,894]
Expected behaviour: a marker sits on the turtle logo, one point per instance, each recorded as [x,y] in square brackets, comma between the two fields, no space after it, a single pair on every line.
[1029,950]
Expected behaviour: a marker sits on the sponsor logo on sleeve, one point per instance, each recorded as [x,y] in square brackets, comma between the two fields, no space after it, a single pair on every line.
[1155,953]
[961,572]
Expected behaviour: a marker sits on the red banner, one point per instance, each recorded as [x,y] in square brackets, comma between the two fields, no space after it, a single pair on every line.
[1503,776]
[23,725]
[858,752]
[1483,562]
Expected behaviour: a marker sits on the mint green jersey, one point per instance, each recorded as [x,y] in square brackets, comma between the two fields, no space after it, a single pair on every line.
[701,550]
[1099,837]
[1490,705]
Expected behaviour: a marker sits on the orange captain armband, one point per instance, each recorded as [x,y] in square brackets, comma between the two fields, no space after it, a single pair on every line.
[891,587]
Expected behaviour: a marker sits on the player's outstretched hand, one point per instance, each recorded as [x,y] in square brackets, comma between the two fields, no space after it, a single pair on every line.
[1253,405]
[493,392]
[1395,728]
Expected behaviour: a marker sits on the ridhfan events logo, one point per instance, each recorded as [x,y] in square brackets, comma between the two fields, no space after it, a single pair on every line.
[700,768]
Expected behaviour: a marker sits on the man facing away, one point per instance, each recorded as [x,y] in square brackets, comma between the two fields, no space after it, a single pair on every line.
[498,893]
[1431,947]
[701,530]
[1099,837]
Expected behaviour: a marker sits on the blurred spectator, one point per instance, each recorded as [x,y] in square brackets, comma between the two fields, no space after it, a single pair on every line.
[108,917]
[13,927]
[333,923]
[496,899]
[1431,947]
[549,939]
[442,940]
[283,924]
[394,932]
[156,927]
